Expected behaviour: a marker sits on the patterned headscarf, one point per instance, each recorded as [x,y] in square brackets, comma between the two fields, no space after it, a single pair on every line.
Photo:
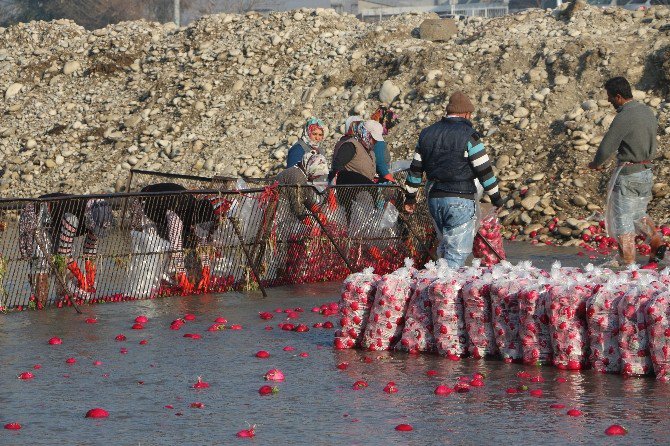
[351,124]
[314,164]
[311,125]
[386,117]
[365,137]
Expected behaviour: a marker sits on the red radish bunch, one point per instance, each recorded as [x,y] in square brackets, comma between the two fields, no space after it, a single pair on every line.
[200,384]
[387,316]
[274,375]
[247,433]
[356,298]
[534,323]
[443,390]
[490,229]
[603,327]
[417,334]
[567,316]
[477,313]
[616,429]
[505,313]
[360,384]
[633,335]
[97,413]
[391,387]
[658,326]
[268,390]
[448,318]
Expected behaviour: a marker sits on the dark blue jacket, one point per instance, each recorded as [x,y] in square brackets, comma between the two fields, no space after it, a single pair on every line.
[443,147]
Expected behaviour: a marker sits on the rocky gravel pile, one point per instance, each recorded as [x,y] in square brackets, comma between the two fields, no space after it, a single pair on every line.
[228,95]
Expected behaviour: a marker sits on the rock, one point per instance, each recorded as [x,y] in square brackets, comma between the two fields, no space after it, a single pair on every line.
[438,30]
[561,80]
[388,92]
[71,67]
[578,200]
[521,112]
[529,202]
[13,90]
[503,161]
[270,140]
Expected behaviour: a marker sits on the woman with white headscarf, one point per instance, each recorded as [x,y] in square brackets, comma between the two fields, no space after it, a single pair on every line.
[311,138]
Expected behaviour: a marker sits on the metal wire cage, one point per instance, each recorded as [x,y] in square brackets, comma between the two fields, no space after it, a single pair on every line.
[66,250]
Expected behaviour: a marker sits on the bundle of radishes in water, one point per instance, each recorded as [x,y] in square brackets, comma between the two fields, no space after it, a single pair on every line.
[572,318]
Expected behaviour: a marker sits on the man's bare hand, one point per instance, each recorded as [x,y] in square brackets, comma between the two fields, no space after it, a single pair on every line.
[410,208]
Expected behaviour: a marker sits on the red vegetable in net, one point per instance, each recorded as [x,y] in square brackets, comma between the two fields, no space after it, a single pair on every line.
[417,334]
[477,312]
[534,323]
[448,317]
[358,294]
[489,231]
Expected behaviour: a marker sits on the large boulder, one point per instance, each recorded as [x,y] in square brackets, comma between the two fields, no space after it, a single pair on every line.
[438,30]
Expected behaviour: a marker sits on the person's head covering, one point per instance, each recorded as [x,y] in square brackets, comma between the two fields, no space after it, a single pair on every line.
[386,117]
[459,103]
[369,132]
[315,164]
[351,124]
[311,125]
[99,218]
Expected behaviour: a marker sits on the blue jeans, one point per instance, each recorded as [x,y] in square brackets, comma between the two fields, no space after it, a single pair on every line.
[630,197]
[455,220]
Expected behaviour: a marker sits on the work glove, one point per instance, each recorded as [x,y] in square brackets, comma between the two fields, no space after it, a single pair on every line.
[203,285]
[90,268]
[76,272]
[183,283]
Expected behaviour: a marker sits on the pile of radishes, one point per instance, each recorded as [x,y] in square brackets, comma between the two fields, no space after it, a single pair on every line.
[572,318]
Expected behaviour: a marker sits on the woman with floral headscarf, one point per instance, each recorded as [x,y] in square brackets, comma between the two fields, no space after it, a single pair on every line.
[311,138]
[312,166]
[388,119]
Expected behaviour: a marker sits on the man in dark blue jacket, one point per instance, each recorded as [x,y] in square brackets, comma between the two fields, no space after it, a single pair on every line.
[452,155]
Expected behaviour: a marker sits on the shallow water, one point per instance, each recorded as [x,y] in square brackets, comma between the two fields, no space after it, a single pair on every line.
[316,404]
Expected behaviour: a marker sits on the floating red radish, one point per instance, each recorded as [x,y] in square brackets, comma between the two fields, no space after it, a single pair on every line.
[13,426]
[343,365]
[137,326]
[574,412]
[268,390]
[70,361]
[304,355]
[443,390]
[197,405]
[262,354]
[391,387]
[189,317]
[26,375]
[37,366]
[200,384]
[360,384]
[120,337]
[220,320]
[616,429]
[144,342]
[431,372]
[557,406]
[247,433]
[265,315]
[236,327]
[288,348]
[141,319]
[192,336]
[404,428]
[91,320]
[55,341]
[274,375]
[97,413]
[536,393]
